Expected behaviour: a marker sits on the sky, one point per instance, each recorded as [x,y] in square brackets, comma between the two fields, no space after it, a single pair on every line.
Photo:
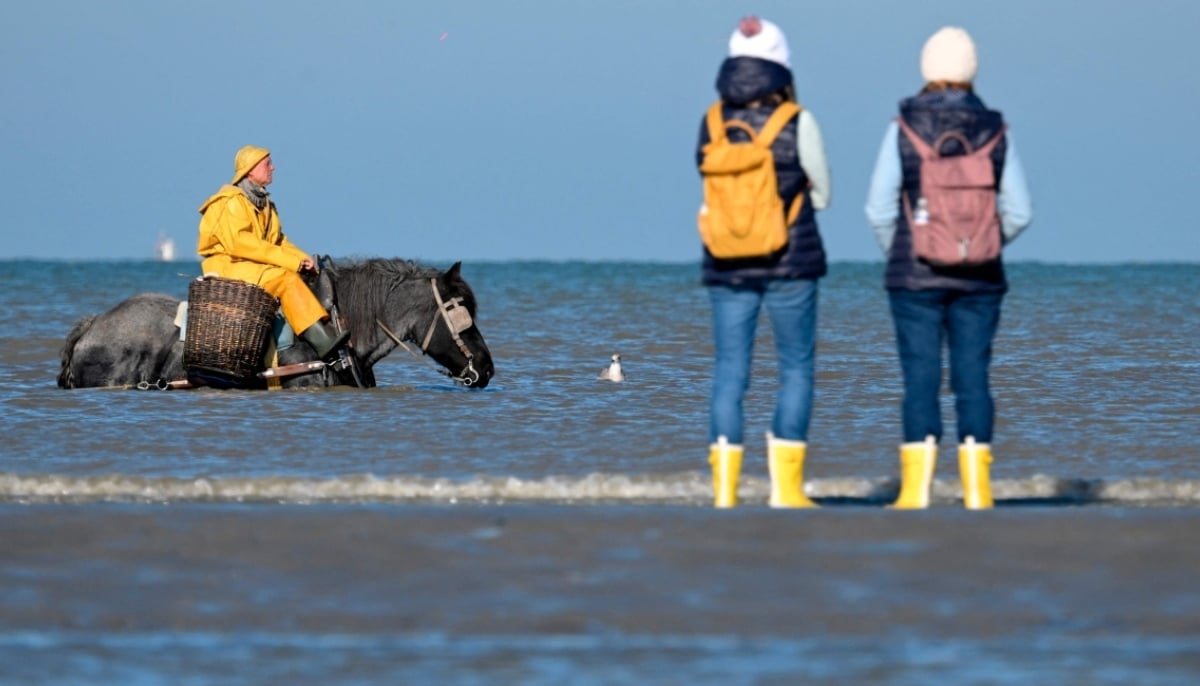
[498,130]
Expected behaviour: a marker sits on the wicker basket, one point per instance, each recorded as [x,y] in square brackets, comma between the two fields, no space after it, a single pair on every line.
[227,327]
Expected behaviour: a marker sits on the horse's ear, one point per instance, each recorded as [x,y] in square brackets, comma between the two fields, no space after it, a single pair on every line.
[454,273]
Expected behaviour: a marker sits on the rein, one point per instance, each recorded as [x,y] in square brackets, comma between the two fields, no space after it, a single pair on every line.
[457,320]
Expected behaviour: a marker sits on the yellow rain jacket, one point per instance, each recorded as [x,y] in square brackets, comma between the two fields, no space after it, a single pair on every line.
[239,241]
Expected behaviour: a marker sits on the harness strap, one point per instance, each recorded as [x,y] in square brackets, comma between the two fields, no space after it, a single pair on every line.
[443,313]
[409,350]
[444,310]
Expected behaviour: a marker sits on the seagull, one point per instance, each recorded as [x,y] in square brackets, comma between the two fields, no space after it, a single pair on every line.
[613,371]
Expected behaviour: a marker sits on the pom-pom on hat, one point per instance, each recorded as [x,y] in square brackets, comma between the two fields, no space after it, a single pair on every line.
[759,38]
[949,55]
[245,159]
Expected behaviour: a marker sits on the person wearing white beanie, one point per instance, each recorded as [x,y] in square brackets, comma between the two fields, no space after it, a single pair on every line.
[932,301]
[756,91]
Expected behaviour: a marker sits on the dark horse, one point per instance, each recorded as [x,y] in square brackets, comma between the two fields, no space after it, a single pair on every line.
[384,302]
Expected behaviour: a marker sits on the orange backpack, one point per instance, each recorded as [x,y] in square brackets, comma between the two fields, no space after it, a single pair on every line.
[742,214]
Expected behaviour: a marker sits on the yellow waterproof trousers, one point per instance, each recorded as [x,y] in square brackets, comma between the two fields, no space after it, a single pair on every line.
[300,307]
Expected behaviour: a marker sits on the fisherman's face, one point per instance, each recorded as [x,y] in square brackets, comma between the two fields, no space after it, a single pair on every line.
[263,172]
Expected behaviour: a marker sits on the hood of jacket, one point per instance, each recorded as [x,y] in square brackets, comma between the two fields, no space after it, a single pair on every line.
[746,79]
[931,114]
[226,191]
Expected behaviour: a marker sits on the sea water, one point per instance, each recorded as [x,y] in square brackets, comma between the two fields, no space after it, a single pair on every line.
[557,528]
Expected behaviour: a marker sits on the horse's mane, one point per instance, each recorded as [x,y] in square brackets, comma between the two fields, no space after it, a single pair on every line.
[380,269]
[364,287]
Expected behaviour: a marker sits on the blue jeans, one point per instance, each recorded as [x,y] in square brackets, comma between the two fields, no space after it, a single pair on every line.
[967,322]
[792,307]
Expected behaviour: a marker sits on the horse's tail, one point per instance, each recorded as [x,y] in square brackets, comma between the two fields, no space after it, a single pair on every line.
[66,379]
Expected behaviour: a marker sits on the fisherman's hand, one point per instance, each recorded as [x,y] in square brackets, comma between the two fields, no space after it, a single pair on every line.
[307,264]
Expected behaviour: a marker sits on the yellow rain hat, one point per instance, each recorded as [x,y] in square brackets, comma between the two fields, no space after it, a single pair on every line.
[245,160]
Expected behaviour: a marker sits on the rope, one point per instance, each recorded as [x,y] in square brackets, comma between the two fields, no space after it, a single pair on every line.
[404,345]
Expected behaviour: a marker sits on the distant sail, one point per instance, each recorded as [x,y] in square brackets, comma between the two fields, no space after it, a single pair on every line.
[164,249]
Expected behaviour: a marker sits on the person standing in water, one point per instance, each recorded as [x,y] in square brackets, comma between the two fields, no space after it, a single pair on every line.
[757,93]
[934,302]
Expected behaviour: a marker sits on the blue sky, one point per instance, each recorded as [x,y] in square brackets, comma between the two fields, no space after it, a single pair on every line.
[559,129]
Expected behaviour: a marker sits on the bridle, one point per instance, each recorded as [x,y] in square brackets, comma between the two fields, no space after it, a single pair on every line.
[458,320]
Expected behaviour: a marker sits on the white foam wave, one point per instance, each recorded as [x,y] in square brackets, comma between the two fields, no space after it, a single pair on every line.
[689,488]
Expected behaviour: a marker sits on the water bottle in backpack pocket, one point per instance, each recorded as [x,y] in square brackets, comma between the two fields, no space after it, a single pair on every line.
[921,214]
[955,221]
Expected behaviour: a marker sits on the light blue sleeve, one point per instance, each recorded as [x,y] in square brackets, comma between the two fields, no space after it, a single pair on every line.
[1013,202]
[883,197]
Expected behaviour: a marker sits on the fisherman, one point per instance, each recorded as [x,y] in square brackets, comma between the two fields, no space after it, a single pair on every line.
[241,238]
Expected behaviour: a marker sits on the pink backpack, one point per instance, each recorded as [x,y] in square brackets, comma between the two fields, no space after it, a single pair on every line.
[955,222]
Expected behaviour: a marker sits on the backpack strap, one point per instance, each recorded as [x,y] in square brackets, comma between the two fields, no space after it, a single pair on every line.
[986,148]
[924,149]
[716,122]
[770,131]
[932,152]
[797,203]
[779,119]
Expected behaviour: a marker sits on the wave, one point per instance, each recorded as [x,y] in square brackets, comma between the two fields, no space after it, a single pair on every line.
[682,488]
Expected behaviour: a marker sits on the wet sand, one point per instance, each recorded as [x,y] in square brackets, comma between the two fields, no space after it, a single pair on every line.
[752,571]
[482,593]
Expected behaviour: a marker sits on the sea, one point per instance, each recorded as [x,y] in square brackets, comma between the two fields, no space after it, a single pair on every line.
[557,528]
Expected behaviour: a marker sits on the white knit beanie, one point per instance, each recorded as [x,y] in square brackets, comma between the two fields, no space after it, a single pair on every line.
[759,38]
[949,55]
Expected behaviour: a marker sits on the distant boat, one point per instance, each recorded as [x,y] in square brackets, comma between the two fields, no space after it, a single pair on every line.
[164,249]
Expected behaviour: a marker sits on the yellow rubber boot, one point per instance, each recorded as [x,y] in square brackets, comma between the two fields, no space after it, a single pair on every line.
[917,461]
[974,463]
[726,461]
[785,460]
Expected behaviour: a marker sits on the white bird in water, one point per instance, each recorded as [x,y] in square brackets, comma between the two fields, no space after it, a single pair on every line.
[613,371]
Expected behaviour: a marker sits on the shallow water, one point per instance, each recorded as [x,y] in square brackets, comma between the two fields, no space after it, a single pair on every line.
[555,528]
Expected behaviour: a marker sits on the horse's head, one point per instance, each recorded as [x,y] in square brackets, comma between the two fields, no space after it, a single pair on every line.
[452,338]
[391,303]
